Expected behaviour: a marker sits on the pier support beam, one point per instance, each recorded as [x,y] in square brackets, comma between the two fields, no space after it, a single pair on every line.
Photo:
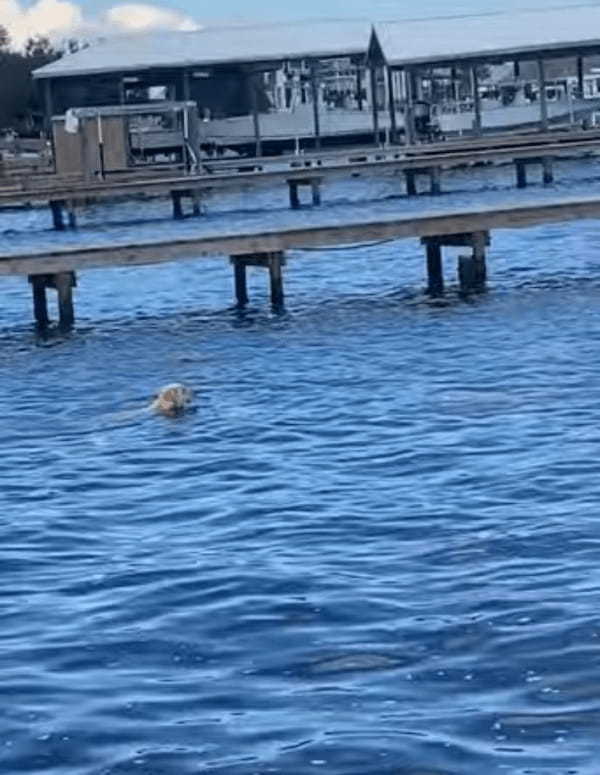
[435,175]
[240,280]
[435,272]
[315,93]
[177,205]
[40,301]
[478,124]
[411,182]
[547,170]
[64,283]
[276,261]
[273,262]
[315,187]
[521,169]
[56,208]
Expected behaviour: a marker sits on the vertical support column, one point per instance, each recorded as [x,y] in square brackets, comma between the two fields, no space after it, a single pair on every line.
[412,93]
[374,105]
[314,88]
[275,262]
[480,241]
[294,198]
[315,186]
[121,90]
[177,205]
[71,214]
[240,281]
[40,302]
[186,87]
[543,100]
[476,101]
[64,282]
[196,202]
[411,182]
[521,169]
[547,170]
[359,88]
[56,206]
[435,174]
[392,106]
[580,78]
[435,275]
[48,106]
[253,96]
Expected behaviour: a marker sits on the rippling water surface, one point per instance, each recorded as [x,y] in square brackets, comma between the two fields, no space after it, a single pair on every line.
[372,549]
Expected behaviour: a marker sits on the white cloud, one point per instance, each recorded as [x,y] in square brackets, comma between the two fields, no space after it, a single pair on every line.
[140,16]
[59,19]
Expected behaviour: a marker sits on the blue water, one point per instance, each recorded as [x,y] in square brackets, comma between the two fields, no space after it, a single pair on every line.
[373,548]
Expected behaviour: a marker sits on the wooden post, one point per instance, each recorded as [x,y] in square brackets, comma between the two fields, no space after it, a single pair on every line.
[480,240]
[543,100]
[314,88]
[409,108]
[275,262]
[71,214]
[435,275]
[476,101]
[392,106]
[56,206]
[580,78]
[294,198]
[186,85]
[64,282]
[411,182]
[196,202]
[315,186]
[466,274]
[435,174]
[48,106]
[177,205]
[252,93]
[240,281]
[40,302]
[521,169]
[374,105]
[359,87]
[547,170]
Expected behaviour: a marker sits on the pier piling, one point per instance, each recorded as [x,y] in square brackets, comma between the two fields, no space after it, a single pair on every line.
[64,283]
[56,207]
[176,196]
[294,198]
[435,274]
[275,262]
[411,182]
[240,280]
[547,170]
[435,175]
[521,169]
[40,301]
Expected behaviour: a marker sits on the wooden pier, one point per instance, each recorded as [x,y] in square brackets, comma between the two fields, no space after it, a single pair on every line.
[418,163]
[466,228]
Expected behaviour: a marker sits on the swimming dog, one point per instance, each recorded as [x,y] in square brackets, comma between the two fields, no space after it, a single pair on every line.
[172,400]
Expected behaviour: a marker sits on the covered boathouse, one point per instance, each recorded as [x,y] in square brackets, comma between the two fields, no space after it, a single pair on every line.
[231,73]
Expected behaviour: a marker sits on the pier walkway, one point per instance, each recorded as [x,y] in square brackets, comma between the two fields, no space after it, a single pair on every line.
[295,172]
[468,228]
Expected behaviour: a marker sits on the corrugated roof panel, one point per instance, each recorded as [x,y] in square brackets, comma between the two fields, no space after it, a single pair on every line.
[455,38]
[216,45]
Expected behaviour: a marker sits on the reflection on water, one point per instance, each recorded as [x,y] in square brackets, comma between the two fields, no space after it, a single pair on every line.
[373,548]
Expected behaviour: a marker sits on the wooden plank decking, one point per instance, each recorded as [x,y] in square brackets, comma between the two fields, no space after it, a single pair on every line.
[425,225]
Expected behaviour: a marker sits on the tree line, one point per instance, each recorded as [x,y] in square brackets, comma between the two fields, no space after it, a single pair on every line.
[21,107]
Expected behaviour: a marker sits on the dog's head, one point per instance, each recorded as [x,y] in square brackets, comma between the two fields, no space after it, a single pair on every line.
[173,399]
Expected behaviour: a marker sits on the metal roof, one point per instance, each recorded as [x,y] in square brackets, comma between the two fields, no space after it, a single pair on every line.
[214,46]
[493,35]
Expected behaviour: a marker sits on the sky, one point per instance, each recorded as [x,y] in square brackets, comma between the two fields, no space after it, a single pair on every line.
[86,18]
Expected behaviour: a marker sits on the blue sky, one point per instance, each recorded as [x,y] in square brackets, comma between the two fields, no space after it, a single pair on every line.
[275,9]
